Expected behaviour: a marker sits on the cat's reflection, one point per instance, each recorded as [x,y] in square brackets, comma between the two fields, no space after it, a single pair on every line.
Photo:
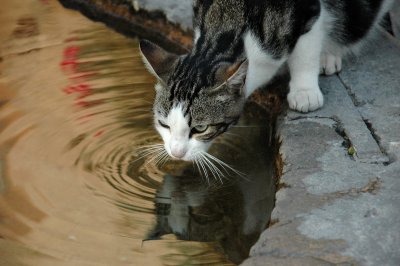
[196,211]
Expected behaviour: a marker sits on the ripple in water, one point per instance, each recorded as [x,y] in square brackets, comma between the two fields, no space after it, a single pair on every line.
[75,187]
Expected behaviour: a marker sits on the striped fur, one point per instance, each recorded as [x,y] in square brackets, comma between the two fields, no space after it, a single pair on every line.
[238,38]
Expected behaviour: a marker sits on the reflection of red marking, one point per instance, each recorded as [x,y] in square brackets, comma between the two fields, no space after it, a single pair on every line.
[83,89]
[99,133]
[46,2]
[71,52]
[70,56]
[84,94]
[81,76]
[87,103]
[71,64]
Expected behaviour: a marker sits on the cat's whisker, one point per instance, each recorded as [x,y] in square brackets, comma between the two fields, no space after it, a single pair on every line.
[226,166]
[160,156]
[204,169]
[164,158]
[153,158]
[147,153]
[144,155]
[149,147]
[149,150]
[195,161]
[213,168]
[214,173]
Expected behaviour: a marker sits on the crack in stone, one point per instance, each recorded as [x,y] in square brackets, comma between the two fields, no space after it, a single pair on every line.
[374,135]
[311,117]
[352,95]
[371,129]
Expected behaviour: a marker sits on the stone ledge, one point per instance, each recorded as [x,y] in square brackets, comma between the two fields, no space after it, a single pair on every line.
[336,208]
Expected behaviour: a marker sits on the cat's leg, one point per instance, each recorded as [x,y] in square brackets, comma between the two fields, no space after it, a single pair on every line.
[330,63]
[262,66]
[304,65]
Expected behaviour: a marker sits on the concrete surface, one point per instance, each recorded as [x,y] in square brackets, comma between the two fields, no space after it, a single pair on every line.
[337,208]
[340,202]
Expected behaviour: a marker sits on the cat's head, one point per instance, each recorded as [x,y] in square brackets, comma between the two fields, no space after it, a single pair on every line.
[193,107]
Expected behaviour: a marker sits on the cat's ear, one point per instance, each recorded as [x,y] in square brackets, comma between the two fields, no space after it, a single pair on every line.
[158,61]
[234,75]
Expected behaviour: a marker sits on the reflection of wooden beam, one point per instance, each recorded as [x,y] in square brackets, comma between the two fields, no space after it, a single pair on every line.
[122,17]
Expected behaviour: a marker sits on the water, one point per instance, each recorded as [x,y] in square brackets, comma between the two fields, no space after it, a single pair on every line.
[75,111]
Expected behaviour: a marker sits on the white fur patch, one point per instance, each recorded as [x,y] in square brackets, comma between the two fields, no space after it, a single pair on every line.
[330,64]
[196,35]
[179,132]
[304,66]
[176,139]
[262,67]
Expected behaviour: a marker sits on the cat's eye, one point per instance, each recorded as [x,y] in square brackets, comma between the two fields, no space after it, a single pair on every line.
[200,128]
[162,124]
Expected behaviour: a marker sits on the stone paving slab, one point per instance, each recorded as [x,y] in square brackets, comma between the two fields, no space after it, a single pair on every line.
[339,107]
[374,80]
[335,208]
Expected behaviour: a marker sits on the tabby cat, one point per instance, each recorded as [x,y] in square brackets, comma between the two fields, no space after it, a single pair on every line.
[239,45]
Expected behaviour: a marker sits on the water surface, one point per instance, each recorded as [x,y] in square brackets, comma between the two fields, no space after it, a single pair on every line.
[75,112]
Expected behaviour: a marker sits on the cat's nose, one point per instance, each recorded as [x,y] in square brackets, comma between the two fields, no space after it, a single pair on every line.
[178,152]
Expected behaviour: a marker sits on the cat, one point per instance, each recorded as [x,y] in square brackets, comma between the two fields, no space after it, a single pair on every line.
[239,45]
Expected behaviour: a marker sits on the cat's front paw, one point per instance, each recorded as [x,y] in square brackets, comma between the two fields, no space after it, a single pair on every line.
[305,100]
[330,64]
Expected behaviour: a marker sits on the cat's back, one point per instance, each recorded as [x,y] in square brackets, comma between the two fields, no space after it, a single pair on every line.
[218,15]
[352,20]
